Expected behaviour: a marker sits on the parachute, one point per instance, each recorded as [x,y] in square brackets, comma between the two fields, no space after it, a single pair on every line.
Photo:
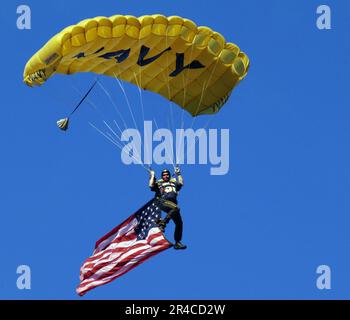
[192,66]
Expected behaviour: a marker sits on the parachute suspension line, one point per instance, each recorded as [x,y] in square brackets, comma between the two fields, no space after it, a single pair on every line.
[140,94]
[113,132]
[143,111]
[171,160]
[141,103]
[197,138]
[128,149]
[128,103]
[91,103]
[122,148]
[139,160]
[200,101]
[127,100]
[182,115]
[170,120]
[139,86]
[155,122]
[109,137]
[205,87]
[102,116]
[184,79]
[171,103]
[183,109]
[115,107]
[116,142]
[171,124]
[114,121]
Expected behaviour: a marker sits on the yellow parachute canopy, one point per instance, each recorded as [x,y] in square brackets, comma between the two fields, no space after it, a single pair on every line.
[192,66]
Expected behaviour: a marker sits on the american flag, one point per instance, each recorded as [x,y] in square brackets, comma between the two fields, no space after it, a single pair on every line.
[131,243]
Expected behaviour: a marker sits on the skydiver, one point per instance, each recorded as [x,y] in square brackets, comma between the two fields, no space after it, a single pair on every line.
[166,190]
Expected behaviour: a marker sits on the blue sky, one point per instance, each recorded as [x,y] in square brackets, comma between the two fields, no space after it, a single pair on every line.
[258,232]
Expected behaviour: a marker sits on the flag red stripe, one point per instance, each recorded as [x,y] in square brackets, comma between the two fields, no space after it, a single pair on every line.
[120,261]
[120,251]
[130,237]
[114,231]
[128,220]
[99,265]
[82,291]
[102,277]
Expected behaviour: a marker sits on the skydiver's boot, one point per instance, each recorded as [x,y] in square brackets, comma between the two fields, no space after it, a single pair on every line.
[179,246]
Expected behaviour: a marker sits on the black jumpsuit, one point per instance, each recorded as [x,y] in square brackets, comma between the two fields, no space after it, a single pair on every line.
[166,194]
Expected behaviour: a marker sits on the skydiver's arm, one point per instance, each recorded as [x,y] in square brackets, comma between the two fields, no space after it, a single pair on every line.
[180,180]
[152,180]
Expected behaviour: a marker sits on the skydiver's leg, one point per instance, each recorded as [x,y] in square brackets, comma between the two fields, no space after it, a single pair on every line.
[169,208]
[165,208]
[169,215]
[176,216]
[173,213]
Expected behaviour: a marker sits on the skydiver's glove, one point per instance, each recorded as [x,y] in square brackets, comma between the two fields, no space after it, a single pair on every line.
[177,171]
